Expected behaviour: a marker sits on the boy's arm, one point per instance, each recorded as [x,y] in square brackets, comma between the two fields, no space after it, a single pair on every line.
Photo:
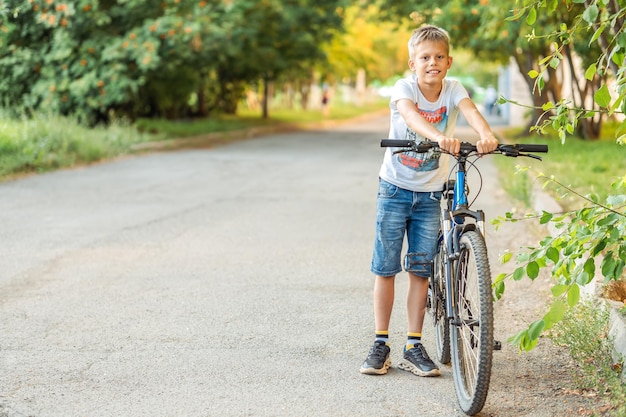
[420,125]
[488,141]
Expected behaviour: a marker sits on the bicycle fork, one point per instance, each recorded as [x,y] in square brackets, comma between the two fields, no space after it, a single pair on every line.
[451,231]
[450,257]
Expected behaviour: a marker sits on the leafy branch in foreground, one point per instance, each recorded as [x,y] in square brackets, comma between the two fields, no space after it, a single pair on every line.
[585,241]
[588,29]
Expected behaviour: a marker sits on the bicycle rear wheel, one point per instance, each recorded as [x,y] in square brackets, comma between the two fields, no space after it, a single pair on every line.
[472,331]
[437,305]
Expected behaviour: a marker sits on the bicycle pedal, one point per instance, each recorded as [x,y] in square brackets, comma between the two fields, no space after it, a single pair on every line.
[497,345]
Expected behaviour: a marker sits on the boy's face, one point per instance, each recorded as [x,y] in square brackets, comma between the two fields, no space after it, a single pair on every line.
[430,62]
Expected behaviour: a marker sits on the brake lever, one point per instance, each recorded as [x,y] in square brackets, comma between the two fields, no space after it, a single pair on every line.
[403,150]
[532,156]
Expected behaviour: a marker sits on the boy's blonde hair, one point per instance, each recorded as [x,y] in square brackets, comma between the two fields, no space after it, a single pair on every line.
[428,33]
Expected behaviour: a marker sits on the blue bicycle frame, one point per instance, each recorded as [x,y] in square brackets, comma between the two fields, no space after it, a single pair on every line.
[453,224]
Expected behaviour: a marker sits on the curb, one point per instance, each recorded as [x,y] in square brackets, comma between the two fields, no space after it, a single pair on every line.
[211,139]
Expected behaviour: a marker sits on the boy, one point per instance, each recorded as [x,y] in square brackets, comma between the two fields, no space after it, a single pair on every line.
[423,105]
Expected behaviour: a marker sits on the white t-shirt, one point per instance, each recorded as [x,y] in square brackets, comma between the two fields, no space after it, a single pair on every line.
[421,171]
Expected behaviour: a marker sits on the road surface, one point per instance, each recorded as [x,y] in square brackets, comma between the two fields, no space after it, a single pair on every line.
[231,281]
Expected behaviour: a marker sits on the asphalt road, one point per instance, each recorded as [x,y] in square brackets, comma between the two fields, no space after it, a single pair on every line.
[231,281]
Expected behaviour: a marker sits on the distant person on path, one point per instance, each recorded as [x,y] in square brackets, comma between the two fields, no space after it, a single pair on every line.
[325,102]
[491,97]
[423,105]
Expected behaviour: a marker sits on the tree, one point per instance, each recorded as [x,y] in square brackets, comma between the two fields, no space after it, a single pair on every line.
[91,58]
[376,45]
[97,58]
[282,37]
[602,54]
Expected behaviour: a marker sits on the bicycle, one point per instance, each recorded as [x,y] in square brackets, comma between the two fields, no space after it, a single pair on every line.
[460,301]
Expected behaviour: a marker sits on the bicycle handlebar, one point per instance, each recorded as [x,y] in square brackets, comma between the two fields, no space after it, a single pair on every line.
[466,147]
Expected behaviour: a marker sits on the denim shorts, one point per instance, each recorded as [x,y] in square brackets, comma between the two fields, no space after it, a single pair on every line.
[402,212]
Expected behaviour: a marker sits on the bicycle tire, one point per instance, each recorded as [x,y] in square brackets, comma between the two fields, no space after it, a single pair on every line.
[437,306]
[472,332]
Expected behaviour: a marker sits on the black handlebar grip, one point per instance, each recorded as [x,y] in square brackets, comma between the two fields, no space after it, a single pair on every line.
[523,147]
[396,143]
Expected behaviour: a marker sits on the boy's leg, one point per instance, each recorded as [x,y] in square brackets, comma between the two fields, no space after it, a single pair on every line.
[416,302]
[422,234]
[392,208]
[384,292]
[415,358]
[378,361]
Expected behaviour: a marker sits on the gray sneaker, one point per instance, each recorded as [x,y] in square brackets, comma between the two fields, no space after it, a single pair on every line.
[417,361]
[377,362]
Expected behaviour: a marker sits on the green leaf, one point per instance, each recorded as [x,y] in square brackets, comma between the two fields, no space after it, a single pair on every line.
[573,295]
[545,217]
[523,341]
[552,254]
[518,338]
[533,74]
[602,97]
[591,72]
[499,289]
[506,257]
[554,63]
[582,278]
[556,314]
[559,289]
[535,329]
[597,34]
[532,269]
[552,4]
[500,278]
[590,267]
[616,200]
[519,273]
[619,268]
[516,16]
[591,14]
[599,247]
[609,220]
[617,57]
[532,16]
[608,266]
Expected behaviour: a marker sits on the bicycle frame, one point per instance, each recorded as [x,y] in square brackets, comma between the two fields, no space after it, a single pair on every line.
[453,216]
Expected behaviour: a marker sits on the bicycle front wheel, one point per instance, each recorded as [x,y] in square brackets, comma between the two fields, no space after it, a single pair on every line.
[472,329]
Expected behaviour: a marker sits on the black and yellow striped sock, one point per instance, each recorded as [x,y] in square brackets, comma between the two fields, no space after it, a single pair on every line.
[412,340]
[382,335]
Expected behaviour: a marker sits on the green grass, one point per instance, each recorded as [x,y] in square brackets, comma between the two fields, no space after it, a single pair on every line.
[247,118]
[47,142]
[584,332]
[584,166]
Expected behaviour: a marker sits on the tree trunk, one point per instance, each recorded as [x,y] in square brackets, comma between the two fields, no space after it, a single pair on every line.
[266,90]
[201,107]
[525,62]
